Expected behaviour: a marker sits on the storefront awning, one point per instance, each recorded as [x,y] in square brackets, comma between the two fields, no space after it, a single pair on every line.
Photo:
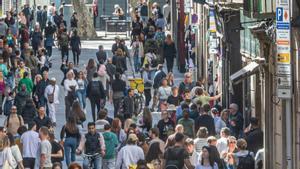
[245,72]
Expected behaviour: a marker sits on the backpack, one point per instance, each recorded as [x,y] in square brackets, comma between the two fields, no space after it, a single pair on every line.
[7,121]
[64,39]
[172,164]
[102,70]
[95,88]
[246,162]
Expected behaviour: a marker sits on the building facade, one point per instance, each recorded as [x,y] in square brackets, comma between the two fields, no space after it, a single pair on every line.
[248,59]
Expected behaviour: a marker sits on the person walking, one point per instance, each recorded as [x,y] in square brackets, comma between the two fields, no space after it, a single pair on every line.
[146,75]
[129,105]
[36,39]
[75,44]
[90,69]
[101,54]
[6,158]
[95,92]
[74,21]
[169,52]
[70,135]
[15,150]
[206,120]
[43,155]
[52,95]
[111,143]
[30,141]
[42,120]
[236,120]
[117,92]
[130,154]
[27,82]
[13,121]
[81,91]
[137,53]
[29,111]
[63,41]
[49,40]
[70,86]
[207,159]
[177,154]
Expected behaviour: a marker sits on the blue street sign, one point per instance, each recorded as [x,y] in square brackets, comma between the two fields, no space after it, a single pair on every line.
[279,14]
[283,25]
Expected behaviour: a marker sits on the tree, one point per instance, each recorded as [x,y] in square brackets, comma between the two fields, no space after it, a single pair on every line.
[85,20]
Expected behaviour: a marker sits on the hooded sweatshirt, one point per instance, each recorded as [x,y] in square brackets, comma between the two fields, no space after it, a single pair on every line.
[111,143]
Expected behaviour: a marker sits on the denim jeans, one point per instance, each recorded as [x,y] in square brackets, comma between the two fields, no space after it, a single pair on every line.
[81,95]
[137,63]
[70,146]
[97,162]
[108,163]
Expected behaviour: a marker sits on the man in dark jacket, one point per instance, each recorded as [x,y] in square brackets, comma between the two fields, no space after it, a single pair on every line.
[158,76]
[74,21]
[101,54]
[40,89]
[117,45]
[254,136]
[43,18]
[205,120]
[236,120]
[95,92]
[39,14]
[42,120]
[129,104]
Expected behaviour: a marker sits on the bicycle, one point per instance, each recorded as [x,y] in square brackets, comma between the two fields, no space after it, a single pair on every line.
[91,158]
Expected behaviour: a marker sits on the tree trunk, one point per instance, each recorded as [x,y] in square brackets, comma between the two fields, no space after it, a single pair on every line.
[86,28]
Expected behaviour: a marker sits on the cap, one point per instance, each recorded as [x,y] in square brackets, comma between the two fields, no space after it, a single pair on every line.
[171,107]
[53,79]
[133,137]
[117,37]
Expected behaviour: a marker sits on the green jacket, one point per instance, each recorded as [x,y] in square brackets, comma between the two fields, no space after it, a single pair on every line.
[28,83]
[111,143]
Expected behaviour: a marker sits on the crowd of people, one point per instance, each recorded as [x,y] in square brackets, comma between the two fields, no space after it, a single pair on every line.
[180,125]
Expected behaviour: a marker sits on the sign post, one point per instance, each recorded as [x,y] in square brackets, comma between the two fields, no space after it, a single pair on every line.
[283,58]
[284,74]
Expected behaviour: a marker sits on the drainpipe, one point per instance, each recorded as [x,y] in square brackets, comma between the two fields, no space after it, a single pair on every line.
[181,33]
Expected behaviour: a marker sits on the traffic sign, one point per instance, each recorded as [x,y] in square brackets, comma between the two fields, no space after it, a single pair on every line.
[283,58]
[283,69]
[279,14]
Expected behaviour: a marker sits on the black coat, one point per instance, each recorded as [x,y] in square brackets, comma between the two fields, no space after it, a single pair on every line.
[128,105]
[40,88]
[28,112]
[169,51]
[255,140]
[100,94]
[207,121]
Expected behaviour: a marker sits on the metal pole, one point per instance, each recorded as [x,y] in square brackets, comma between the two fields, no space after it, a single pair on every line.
[288,114]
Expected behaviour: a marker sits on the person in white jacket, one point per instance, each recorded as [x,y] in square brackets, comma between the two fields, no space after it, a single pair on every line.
[130,154]
[52,89]
[6,158]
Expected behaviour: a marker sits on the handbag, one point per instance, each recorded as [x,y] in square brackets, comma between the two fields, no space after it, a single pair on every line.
[51,96]
[6,165]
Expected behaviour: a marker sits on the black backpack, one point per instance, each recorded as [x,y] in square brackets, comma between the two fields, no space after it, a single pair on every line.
[95,88]
[246,162]
[172,163]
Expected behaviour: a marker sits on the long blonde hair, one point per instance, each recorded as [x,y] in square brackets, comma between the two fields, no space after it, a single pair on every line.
[4,142]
